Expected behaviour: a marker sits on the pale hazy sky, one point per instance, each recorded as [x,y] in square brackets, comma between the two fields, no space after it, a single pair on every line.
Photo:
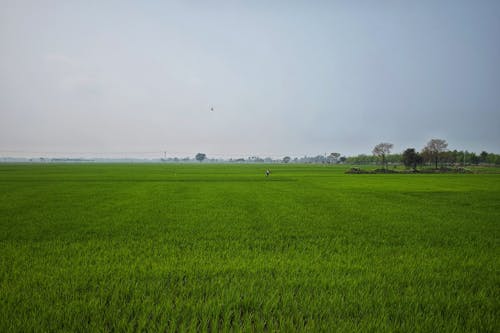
[284,77]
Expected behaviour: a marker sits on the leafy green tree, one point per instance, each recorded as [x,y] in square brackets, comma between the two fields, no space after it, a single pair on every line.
[200,157]
[411,158]
[483,157]
[474,159]
[493,158]
[286,159]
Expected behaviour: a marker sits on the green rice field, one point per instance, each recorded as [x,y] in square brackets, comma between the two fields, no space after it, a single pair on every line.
[209,248]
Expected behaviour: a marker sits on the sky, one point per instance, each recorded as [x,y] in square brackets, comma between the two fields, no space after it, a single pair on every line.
[139,78]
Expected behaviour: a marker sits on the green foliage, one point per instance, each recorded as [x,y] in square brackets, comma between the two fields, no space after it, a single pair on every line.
[459,157]
[221,247]
[483,157]
[363,159]
[200,157]
[411,158]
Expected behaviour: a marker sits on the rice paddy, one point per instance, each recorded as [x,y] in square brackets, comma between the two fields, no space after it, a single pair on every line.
[174,248]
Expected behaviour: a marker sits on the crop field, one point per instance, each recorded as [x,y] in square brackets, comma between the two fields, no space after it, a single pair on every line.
[174,248]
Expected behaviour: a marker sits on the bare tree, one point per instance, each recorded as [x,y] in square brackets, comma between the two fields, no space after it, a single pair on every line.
[286,159]
[382,150]
[435,148]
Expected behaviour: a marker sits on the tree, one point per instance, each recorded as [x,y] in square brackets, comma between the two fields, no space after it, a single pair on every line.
[426,156]
[286,159]
[493,158]
[200,157]
[483,157]
[474,159]
[382,150]
[411,158]
[333,157]
[434,148]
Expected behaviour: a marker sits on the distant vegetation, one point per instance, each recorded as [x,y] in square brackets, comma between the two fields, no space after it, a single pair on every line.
[434,153]
[200,157]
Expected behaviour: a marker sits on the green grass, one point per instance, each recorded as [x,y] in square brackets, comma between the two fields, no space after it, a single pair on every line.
[222,247]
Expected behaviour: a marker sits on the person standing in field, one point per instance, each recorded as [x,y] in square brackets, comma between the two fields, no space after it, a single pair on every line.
[267,172]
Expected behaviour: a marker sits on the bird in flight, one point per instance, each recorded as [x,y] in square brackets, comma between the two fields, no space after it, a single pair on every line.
[211,109]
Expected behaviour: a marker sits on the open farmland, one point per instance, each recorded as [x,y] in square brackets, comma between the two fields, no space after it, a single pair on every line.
[218,247]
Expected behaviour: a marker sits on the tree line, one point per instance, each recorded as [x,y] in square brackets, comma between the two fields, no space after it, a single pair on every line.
[435,153]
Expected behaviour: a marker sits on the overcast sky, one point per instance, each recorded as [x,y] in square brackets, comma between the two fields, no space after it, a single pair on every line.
[283,77]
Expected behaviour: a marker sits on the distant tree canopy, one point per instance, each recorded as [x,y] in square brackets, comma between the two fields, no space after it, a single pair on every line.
[434,153]
[333,158]
[466,157]
[434,150]
[483,157]
[382,150]
[448,157]
[411,158]
[474,159]
[200,157]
